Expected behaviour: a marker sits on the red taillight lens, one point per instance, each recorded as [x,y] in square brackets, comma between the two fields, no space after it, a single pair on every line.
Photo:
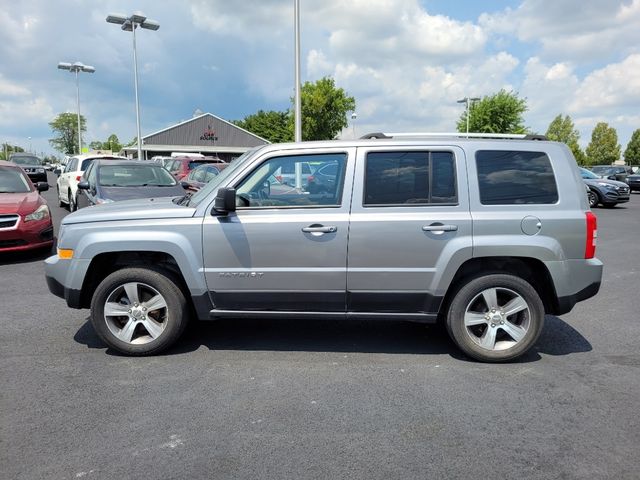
[310,179]
[279,178]
[592,236]
[78,177]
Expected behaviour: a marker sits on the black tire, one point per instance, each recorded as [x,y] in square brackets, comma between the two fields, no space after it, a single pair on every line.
[176,312]
[594,199]
[468,338]
[73,206]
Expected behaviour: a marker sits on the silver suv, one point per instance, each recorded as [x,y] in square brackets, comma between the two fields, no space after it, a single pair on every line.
[484,234]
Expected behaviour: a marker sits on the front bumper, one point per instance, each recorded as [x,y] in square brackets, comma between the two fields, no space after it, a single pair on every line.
[613,196]
[64,278]
[27,236]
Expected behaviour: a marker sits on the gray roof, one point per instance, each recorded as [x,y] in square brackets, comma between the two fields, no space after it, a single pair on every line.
[205,130]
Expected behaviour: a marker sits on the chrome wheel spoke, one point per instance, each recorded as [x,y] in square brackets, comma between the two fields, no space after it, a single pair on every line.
[473,318]
[488,340]
[126,333]
[153,328]
[515,305]
[131,290]
[490,297]
[155,303]
[112,309]
[516,332]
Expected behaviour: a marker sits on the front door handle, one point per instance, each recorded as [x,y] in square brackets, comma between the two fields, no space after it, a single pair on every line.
[439,227]
[316,228]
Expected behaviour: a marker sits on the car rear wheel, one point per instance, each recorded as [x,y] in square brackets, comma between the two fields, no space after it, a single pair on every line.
[593,199]
[139,311]
[495,318]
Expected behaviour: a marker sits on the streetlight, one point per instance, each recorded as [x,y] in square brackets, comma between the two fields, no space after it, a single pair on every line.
[129,24]
[468,101]
[354,115]
[297,120]
[77,68]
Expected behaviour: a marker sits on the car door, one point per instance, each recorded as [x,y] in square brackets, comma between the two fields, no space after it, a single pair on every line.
[63,180]
[284,249]
[410,219]
[88,197]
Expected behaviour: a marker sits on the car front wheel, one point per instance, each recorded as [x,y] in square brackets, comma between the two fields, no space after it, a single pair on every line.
[139,311]
[495,318]
[593,199]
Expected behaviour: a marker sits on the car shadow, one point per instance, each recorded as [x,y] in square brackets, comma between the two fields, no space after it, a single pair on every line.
[352,336]
[29,256]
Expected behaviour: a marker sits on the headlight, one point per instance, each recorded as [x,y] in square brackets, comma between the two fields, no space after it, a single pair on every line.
[41,170]
[609,186]
[41,213]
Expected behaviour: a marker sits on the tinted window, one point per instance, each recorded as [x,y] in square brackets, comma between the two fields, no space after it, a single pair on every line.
[86,163]
[511,177]
[134,176]
[419,178]
[25,160]
[13,180]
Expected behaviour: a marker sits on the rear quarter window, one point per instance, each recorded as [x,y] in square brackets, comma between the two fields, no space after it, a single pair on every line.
[508,177]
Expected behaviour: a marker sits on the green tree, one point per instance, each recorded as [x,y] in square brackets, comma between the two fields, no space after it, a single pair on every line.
[562,129]
[324,109]
[112,143]
[270,125]
[603,148]
[632,152]
[7,149]
[65,130]
[498,113]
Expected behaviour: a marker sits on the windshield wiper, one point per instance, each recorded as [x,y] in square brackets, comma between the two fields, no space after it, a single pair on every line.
[183,201]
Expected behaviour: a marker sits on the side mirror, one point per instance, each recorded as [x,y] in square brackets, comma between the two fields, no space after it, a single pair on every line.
[83,185]
[225,201]
[185,185]
[42,186]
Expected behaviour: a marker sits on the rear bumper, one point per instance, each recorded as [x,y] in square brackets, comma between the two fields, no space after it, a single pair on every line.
[574,281]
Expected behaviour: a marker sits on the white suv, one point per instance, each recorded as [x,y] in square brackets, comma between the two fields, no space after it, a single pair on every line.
[67,184]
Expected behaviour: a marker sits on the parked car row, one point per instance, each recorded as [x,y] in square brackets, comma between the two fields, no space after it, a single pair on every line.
[604,191]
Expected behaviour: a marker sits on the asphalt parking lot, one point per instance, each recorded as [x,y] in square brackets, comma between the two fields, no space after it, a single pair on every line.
[322,399]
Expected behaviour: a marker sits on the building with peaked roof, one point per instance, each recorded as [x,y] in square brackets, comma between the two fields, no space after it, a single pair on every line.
[205,133]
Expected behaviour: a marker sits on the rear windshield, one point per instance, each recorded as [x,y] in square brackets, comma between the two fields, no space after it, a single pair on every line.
[514,177]
[135,176]
[12,180]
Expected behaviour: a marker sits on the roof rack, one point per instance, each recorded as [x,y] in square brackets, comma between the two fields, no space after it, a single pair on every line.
[512,136]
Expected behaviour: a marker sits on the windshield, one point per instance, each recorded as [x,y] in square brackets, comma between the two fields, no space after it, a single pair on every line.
[25,160]
[135,176]
[13,181]
[587,174]
[600,170]
[224,174]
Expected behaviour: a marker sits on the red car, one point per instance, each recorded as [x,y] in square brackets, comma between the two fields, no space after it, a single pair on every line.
[181,166]
[25,219]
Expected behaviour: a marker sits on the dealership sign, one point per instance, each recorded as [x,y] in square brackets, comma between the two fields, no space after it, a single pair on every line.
[209,134]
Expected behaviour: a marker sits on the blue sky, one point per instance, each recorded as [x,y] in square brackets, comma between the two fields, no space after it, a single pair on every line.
[405,61]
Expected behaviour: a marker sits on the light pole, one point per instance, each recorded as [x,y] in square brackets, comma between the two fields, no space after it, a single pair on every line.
[29,138]
[298,101]
[354,115]
[468,101]
[129,24]
[77,68]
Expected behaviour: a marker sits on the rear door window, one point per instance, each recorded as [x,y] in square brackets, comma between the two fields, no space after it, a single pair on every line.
[507,177]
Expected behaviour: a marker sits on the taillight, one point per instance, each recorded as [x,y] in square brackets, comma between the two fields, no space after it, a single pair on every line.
[78,177]
[279,178]
[310,179]
[592,236]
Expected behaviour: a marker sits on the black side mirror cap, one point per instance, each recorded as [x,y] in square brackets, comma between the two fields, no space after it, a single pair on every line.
[225,201]
[42,186]
[83,185]
[185,185]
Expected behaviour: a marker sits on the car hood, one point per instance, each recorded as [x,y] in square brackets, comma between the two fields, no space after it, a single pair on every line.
[20,203]
[129,193]
[591,181]
[138,209]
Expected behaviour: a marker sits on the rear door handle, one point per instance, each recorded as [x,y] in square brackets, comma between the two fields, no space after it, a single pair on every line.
[315,228]
[439,227]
